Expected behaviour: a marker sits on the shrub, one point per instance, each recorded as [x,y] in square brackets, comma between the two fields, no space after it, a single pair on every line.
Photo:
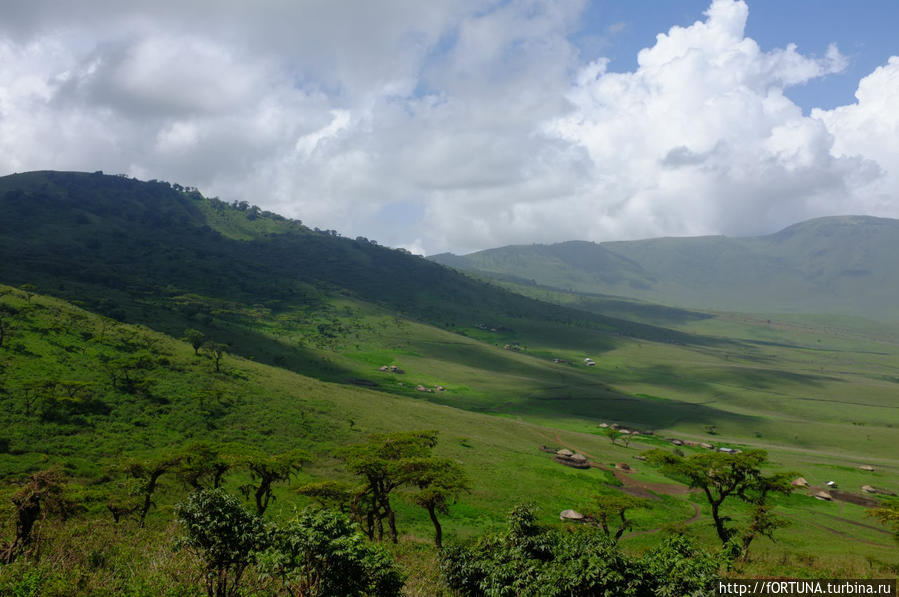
[532,560]
[321,553]
[221,533]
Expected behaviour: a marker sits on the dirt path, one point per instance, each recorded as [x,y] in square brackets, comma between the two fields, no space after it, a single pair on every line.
[630,486]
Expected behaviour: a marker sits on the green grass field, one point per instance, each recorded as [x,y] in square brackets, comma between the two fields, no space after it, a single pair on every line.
[819,397]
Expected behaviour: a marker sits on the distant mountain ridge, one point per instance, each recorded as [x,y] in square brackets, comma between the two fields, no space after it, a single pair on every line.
[842,264]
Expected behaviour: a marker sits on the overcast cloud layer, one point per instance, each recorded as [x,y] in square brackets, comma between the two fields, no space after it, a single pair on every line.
[444,125]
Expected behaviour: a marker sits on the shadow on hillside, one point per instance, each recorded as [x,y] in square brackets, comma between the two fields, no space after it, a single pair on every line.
[645,412]
[707,381]
[645,312]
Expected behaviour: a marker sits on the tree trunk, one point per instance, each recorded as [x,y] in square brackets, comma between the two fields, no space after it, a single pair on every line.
[148,495]
[622,528]
[438,532]
[719,524]
[391,520]
[217,476]
[262,498]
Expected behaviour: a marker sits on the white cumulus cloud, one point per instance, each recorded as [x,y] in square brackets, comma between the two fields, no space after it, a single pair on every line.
[445,125]
[701,139]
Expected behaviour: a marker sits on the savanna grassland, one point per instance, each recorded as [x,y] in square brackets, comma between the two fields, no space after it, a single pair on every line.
[149,325]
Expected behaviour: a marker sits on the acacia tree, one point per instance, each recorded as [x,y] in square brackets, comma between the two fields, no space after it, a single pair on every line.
[606,508]
[613,435]
[722,476]
[28,289]
[439,482]
[195,338]
[381,462]
[128,373]
[330,495]
[266,470]
[31,393]
[203,466]
[146,475]
[5,315]
[216,351]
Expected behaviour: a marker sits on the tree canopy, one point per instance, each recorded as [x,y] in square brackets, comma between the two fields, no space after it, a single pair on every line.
[722,476]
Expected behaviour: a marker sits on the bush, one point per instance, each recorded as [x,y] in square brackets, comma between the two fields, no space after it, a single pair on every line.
[677,567]
[531,560]
[321,553]
[220,532]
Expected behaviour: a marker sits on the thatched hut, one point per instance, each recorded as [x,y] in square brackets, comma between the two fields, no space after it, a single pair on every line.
[569,458]
[800,482]
[824,496]
[571,516]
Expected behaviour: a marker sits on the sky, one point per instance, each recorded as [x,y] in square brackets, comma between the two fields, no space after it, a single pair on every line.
[459,125]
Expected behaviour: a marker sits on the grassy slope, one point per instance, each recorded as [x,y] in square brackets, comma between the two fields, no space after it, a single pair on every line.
[254,405]
[275,409]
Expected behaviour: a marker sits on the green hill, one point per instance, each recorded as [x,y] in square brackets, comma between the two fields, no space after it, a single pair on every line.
[841,265]
[97,379]
[167,257]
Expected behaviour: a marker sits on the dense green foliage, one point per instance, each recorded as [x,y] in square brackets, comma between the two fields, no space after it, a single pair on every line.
[888,514]
[532,560]
[223,535]
[320,553]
